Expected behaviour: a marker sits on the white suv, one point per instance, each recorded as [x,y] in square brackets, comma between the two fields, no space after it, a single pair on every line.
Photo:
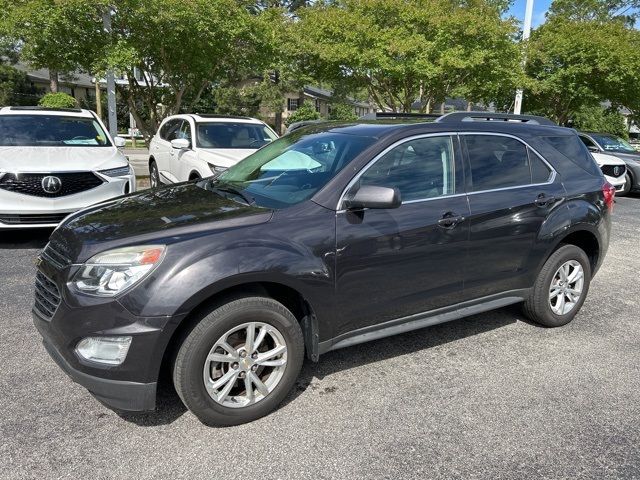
[187,147]
[54,162]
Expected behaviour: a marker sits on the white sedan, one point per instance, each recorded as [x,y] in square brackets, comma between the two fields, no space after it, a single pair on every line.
[188,147]
[54,162]
[613,168]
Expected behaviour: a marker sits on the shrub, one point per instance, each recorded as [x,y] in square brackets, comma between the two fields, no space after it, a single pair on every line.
[306,111]
[57,100]
[342,112]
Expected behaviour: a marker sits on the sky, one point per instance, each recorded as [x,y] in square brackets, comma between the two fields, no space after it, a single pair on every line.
[540,7]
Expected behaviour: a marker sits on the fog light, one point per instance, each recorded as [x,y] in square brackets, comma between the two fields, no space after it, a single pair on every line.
[109,350]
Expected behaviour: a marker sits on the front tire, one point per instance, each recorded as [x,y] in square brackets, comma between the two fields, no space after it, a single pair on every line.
[154,174]
[239,362]
[561,288]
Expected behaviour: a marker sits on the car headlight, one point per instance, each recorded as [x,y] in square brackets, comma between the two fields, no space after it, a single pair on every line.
[215,169]
[114,271]
[117,172]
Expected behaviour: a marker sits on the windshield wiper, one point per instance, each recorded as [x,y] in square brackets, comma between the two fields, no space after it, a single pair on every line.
[234,191]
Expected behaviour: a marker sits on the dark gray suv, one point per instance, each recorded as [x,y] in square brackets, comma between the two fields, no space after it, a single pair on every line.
[333,235]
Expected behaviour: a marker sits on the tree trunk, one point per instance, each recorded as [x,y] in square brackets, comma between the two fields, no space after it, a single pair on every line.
[98,99]
[53,81]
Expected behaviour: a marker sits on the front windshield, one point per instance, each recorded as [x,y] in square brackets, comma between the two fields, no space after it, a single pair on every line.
[614,144]
[51,131]
[233,135]
[291,169]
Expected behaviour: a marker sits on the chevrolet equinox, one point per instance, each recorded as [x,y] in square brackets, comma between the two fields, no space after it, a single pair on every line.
[333,235]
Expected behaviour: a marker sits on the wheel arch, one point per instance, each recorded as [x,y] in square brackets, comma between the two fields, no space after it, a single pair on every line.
[583,238]
[288,296]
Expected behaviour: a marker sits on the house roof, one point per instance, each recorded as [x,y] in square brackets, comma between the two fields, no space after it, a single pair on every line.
[321,93]
[76,79]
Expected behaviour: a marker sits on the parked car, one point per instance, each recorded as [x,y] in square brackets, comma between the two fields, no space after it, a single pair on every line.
[328,237]
[188,147]
[618,147]
[55,162]
[614,170]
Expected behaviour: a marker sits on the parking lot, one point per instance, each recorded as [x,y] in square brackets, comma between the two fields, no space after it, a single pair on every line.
[490,396]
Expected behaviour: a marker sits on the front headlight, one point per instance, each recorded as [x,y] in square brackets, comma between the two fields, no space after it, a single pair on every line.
[215,169]
[114,271]
[117,172]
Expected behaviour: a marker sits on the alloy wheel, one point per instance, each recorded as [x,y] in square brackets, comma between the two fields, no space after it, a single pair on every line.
[566,287]
[245,364]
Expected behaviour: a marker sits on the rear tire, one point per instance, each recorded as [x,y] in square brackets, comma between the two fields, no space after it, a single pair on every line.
[560,289]
[219,347]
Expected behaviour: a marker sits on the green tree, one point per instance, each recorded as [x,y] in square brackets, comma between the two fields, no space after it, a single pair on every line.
[599,119]
[15,87]
[58,100]
[399,51]
[342,112]
[306,111]
[573,64]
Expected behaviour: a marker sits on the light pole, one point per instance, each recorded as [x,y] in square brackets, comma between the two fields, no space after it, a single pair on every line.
[526,33]
[111,81]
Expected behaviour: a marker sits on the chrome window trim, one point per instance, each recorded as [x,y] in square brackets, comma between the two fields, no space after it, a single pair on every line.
[550,181]
[364,169]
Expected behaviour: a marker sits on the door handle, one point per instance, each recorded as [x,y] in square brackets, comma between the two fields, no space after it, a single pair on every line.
[543,200]
[450,220]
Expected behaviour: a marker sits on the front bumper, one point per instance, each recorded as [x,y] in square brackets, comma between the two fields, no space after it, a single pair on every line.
[128,386]
[617,182]
[19,210]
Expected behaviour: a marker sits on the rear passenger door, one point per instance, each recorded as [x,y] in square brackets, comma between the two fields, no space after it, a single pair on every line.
[511,191]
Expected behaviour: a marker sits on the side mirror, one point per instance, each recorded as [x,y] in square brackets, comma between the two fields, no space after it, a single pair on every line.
[181,144]
[370,196]
[593,149]
[119,142]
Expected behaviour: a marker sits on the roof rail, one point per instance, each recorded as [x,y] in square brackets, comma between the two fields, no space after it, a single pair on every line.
[33,108]
[377,115]
[455,117]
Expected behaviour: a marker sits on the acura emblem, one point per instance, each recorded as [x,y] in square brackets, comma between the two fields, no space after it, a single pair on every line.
[51,184]
[616,171]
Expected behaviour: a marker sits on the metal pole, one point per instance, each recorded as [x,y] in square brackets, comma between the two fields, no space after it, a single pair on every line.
[111,82]
[526,33]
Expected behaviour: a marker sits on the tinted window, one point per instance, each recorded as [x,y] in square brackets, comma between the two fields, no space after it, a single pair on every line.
[169,130]
[540,172]
[611,143]
[588,143]
[571,147]
[185,131]
[233,135]
[497,162]
[292,168]
[51,131]
[420,169]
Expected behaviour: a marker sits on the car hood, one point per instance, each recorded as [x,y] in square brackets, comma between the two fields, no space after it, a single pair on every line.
[165,215]
[224,157]
[59,159]
[626,156]
[606,159]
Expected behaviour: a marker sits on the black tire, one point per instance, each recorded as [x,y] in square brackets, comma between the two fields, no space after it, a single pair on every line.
[154,174]
[627,186]
[190,360]
[194,176]
[537,307]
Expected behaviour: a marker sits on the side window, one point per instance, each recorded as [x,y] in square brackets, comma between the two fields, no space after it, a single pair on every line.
[497,162]
[421,169]
[185,130]
[588,142]
[540,172]
[173,131]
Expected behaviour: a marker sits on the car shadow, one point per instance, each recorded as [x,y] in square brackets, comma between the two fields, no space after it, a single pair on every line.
[170,407]
[30,238]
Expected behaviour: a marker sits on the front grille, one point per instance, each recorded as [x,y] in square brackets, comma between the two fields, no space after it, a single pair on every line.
[47,297]
[56,254]
[31,183]
[611,171]
[31,219]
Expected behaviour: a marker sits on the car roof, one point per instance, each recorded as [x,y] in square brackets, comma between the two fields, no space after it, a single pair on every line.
[65,112]
[206,117]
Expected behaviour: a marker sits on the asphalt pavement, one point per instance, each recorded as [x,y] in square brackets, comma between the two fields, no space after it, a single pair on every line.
[487,397]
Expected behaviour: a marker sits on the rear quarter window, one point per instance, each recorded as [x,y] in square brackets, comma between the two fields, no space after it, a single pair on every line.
[575,150]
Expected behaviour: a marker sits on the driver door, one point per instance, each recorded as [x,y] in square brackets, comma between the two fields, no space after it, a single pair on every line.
[399,262]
